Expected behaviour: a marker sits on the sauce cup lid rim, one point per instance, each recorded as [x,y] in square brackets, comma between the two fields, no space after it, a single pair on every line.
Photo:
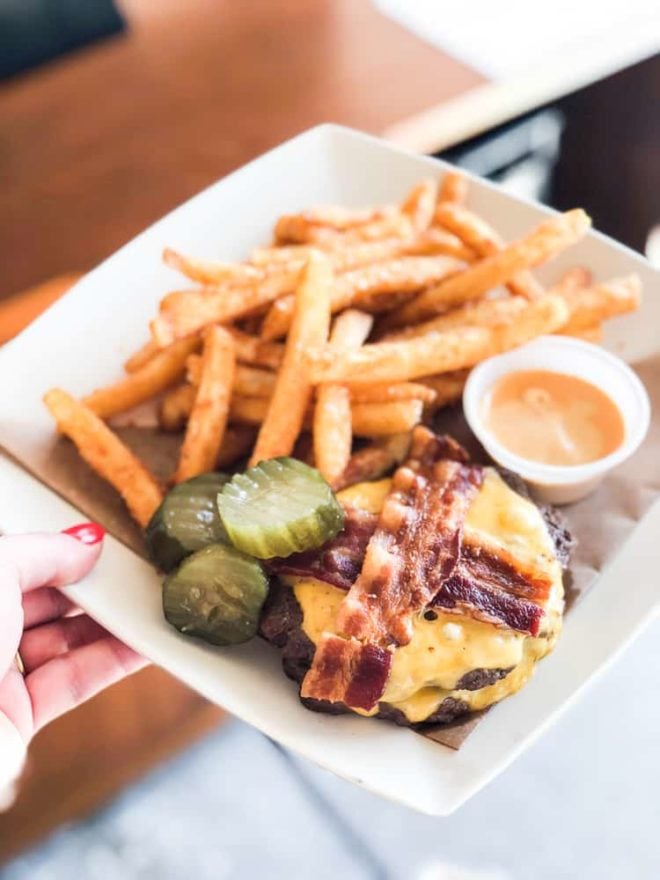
[539,472]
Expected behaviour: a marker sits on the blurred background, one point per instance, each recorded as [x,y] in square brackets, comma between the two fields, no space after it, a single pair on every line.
[112,113]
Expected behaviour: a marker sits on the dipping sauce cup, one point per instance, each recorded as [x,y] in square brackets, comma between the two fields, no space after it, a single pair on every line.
[560,484]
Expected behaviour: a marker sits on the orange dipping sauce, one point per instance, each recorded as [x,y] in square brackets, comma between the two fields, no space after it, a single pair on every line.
[553,418]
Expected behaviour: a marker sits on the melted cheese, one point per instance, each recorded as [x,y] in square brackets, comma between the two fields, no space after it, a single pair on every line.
[426,670]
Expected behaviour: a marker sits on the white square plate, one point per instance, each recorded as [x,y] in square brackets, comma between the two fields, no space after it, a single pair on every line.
[80,343]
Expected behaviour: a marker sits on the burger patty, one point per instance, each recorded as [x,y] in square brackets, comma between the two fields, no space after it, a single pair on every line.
[282,626]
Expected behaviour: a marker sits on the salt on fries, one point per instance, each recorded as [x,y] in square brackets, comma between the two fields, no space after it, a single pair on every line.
[106,454]
[333,430]
[210,410]
[245,363]
[293,390]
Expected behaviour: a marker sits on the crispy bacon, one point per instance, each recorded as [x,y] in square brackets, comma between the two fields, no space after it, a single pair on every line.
[338,562]
[413,550]
[415,547]
[462,594]
[346,671]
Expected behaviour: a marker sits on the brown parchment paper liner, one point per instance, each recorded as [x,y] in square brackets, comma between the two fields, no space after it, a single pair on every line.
[600,523]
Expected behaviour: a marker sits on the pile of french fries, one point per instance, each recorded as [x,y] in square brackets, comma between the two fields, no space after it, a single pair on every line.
[351,324]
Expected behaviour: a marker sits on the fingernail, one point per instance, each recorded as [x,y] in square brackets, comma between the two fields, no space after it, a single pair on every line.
[86,533]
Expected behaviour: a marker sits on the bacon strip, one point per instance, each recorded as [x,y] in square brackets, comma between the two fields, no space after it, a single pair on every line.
[500,569]
[346,671]
[413,550]
[338,562]
[462,594]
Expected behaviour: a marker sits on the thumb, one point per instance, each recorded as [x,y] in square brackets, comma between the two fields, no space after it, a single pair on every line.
[42,560]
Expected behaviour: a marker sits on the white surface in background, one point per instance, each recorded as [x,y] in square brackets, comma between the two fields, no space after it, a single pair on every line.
[503,40]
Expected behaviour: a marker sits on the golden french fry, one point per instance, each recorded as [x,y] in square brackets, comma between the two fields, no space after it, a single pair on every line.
[589,306]
[176,406]
[332,431]
[440,352]
[483,312]
[248,381]
[331,226]
[208,419]
[403,275]
[546,241]
[573,279]
[438,241]
[252,350]
[484,241]
[382,392]
[157,374]
[253,382]
[419,204]
[375,460]
[383,419]
[141,356]
[448,387]
[248,410]
[106,454]
[332,425]
[293,391]
[236,444]
[184,312]
[453,188]
[210,271]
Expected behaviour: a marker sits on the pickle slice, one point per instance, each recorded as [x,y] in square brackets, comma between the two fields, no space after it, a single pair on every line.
[216,594]
[186,521]
[281,506]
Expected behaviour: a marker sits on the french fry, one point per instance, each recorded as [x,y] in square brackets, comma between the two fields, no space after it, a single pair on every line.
[155,376]
[141,356]
[572,280]
[453,188]
[293,391]
[248,381]
[176,406]
[484,241]
[327,229]
[382,392]
[440,352]
[438,241]
[106,454]
[375,461]
[344,256]
[383,419]
[589,306]
[252,350]
[332,425]
[208,419]
[236,443]
[546,241]
[210,271]
[248,410]
[403,275]
[185,312]
[332,431]
[419,205]
[448,388]
[472,314]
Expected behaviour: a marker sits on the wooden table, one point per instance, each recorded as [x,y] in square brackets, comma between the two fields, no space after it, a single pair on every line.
[100,144]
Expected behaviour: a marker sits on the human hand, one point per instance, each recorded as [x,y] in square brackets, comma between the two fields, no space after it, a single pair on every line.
[67,656]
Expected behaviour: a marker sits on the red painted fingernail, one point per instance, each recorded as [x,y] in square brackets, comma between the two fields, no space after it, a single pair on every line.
[86,533]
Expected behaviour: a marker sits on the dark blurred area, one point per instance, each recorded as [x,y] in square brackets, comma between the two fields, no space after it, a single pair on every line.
[35,31]
[597,147]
